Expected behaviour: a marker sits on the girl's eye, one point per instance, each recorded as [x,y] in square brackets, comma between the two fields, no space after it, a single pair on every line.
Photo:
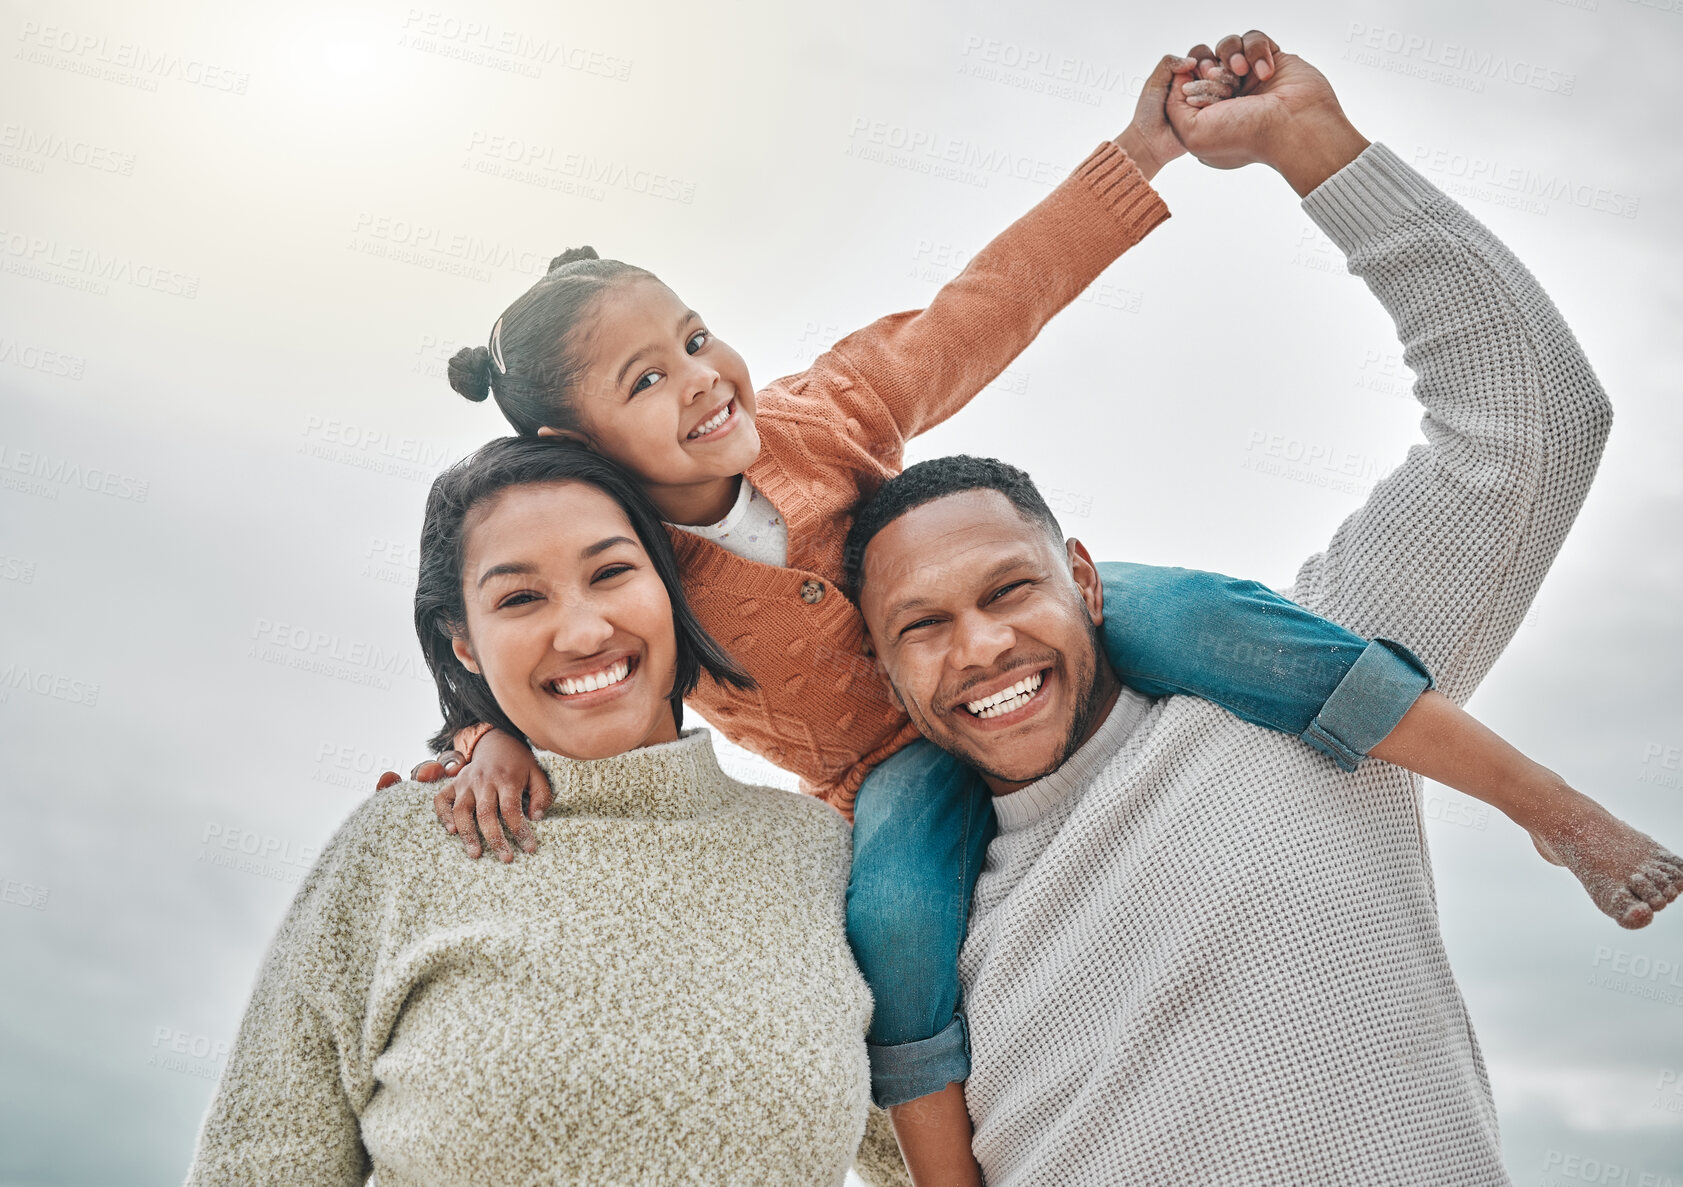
[703,335]
[612,571]
[639,385]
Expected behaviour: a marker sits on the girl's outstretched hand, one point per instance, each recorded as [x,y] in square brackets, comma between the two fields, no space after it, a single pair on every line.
[1149,139]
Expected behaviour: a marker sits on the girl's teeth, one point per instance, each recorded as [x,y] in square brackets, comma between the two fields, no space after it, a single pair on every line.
[717,419]
[1007,699]
[595,680]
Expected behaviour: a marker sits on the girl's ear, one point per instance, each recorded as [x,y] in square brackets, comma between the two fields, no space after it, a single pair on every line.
[572,435]
[459,645]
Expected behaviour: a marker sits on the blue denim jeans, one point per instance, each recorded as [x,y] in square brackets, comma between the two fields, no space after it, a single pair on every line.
[923,820]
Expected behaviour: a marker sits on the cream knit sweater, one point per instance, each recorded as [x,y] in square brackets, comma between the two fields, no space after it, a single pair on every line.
[662,993]
[1201,953]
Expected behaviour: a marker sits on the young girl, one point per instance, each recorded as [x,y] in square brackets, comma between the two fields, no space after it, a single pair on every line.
[758,492]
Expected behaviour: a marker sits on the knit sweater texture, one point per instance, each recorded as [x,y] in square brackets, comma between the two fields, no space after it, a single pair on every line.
[1200,952]
[831,435]
[661,993]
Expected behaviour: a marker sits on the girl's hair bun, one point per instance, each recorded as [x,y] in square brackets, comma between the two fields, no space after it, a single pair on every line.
[572,254]
[470,372]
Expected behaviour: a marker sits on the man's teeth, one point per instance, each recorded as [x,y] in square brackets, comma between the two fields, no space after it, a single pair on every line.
[590,683]
[1007,699]
[713,422]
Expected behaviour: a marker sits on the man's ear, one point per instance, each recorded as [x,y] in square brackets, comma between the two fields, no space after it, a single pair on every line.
[459,645]
[573,435]
[1087,580]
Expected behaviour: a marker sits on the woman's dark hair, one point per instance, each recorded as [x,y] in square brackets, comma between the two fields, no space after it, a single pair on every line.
[441,613]
[535,337]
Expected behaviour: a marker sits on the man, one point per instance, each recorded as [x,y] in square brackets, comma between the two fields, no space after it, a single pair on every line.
[1198,951]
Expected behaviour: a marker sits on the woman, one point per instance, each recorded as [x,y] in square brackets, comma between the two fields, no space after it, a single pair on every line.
[664,992]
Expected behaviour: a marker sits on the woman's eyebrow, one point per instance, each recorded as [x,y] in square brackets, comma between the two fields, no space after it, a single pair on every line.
[522,568]
[503,570]
[603,545]
[682,322]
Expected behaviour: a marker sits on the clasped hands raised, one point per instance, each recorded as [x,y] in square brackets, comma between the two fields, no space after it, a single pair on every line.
[1243,102]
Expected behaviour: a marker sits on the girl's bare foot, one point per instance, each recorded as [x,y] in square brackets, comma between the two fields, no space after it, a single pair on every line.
[1628,874]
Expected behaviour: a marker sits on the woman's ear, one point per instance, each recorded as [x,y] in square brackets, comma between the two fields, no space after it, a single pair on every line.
[459,645]
[573,435]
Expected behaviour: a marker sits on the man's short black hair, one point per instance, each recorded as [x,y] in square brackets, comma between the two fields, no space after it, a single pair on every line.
[936,479]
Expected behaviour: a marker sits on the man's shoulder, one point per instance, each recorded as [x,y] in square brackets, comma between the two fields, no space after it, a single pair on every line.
[1180,736]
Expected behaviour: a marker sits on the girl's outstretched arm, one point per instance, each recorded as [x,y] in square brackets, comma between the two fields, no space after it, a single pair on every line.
[926,364]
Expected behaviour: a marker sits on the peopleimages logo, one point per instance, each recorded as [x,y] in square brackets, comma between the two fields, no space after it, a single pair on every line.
[43,474]
[329,653]
[1525,182]
[39,257]
[126,62]
[52,146]
[1448,62]
[1638,975]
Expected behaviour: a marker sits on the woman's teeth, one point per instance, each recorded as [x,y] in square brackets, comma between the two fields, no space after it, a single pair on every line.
[611,675]
[1007,699]
[713,422]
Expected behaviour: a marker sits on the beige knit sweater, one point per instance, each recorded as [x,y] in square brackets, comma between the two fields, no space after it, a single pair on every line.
[662,993]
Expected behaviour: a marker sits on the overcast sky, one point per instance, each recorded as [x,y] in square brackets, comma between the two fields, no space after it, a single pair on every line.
[237,249]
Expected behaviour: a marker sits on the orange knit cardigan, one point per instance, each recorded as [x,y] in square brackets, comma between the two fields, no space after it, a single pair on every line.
[831,435]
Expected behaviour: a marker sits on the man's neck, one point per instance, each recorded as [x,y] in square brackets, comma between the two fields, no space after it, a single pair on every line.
[1107,687]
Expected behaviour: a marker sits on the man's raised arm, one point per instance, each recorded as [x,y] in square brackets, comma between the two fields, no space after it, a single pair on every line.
[1449,549]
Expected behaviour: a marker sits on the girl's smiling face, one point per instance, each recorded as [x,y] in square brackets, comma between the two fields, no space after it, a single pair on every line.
[659,394]
[568,621]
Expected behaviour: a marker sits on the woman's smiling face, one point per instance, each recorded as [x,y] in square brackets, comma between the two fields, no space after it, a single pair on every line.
[568,621]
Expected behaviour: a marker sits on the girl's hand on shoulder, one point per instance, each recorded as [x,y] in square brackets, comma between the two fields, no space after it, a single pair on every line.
[504,778]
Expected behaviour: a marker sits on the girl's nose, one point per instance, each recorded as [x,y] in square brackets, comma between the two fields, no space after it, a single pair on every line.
[702,379]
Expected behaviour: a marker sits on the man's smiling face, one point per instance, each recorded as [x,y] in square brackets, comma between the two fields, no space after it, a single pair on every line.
[986,630]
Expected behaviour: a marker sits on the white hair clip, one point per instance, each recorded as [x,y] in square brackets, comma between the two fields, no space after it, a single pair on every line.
[497,347]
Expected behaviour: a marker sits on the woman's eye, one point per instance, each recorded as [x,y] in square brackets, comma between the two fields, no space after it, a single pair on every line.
[639,385]
[703,335]
[612,571]
[517,599]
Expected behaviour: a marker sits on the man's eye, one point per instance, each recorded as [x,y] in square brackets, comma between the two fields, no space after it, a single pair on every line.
[639,386]
[912,626]
[1005,589]
[703,335]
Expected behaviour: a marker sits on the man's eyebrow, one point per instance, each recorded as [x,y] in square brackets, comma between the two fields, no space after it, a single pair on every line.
[682,322]
[521,568]
[992,575]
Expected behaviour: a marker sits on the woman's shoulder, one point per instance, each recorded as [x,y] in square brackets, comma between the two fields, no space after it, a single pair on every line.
[796,818]
[394,822]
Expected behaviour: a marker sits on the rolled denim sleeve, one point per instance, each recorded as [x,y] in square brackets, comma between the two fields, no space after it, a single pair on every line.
[1367,704]
[1257,654]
